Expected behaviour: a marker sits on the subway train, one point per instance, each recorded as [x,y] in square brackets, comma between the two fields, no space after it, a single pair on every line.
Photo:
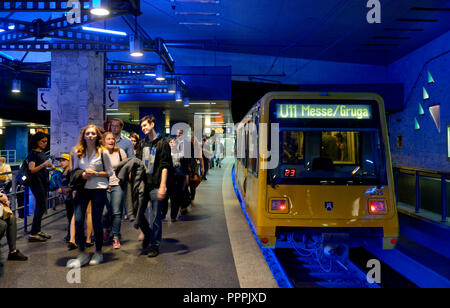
[314,170]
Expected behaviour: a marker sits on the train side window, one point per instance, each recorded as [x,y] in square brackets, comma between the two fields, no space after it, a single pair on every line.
[253,144]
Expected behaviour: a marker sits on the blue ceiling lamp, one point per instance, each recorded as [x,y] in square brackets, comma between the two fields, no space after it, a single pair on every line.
[173,87]
[136,45]
[160,72]
[16,86]
[178,96]
[100,7]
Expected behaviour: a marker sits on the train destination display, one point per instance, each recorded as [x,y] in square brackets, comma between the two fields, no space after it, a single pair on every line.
[323,111]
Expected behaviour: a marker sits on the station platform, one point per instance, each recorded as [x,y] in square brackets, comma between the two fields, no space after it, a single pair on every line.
[212,247]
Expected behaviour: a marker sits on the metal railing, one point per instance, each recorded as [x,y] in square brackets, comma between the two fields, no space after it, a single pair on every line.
[14,199]
[424,173]
[10,155]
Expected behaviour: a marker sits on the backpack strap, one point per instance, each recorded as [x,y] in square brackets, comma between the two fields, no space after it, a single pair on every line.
[103,162]
[120,156]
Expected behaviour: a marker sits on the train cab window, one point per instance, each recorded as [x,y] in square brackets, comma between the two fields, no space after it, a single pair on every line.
[340,147]
[316,156]
[291,147]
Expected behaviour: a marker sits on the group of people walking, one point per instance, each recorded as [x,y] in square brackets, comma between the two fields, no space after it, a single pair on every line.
[107,174]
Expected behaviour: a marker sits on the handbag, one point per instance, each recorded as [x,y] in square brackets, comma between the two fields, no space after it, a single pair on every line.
[5,212]
[195,179]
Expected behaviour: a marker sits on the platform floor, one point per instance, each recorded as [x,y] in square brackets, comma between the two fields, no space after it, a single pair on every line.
[212,248]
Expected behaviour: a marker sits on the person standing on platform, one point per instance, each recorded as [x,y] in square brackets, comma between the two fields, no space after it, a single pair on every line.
[156,156]
[91,159]
[122,141]
[112,213]
[39,166]
[176,193]
[134,137]
[219,153]
[125,144]
[66,192]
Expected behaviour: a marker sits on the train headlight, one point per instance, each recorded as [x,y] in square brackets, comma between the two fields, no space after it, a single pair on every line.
[377,207]
[279,206]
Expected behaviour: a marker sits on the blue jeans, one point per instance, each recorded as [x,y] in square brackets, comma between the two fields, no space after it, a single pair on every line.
[98,199]
[112,213]
[156,219]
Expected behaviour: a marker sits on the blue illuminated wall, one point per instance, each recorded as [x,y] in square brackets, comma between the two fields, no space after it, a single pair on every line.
[16,138]
[425,147]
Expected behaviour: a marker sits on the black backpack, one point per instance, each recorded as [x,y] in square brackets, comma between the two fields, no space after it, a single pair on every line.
[24,175]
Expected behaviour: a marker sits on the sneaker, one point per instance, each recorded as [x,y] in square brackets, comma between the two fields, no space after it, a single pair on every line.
[173,220]
[36,238]
[165,219]
[116,244]
[80,261]
[44,235]
[16,256]
[72,246]
[106,235]
[145,242]
[97,258]
[153,252]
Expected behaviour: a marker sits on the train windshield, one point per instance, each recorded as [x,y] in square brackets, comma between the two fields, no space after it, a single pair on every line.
[329,143]
[330,157]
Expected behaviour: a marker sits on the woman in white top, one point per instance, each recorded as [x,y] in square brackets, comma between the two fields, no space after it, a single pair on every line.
[92,157]
[112,213]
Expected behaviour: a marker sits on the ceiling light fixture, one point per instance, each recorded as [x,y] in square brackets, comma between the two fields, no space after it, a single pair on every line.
[100,7]
[178,96]
[160,72]
[172,88]
[16,86]
[104,31]
[136,46]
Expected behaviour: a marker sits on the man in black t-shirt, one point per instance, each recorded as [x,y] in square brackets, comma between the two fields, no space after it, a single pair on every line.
[155,153]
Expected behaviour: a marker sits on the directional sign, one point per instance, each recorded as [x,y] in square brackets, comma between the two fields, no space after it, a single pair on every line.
[45,99]
[112,97]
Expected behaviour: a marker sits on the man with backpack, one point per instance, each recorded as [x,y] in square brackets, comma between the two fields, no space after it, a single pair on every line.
[156,156]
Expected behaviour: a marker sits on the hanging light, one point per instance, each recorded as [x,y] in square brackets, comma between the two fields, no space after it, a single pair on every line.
[160,72]
[178,96]
[15,86]
[100,7]
[136,45]
[186,102]
[172,88]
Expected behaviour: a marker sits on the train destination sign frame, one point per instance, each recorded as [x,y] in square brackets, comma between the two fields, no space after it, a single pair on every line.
[323,111]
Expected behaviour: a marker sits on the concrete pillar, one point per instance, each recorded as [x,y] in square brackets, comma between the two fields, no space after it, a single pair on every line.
[77,83]
[16,138]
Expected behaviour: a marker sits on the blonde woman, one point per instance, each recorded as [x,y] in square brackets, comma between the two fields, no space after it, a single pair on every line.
[92,161]
[112,213]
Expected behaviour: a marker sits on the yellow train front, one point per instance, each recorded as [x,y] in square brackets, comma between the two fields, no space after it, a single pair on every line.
[326,177]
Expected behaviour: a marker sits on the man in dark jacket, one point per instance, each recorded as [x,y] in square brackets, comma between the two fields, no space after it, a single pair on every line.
[156,156]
